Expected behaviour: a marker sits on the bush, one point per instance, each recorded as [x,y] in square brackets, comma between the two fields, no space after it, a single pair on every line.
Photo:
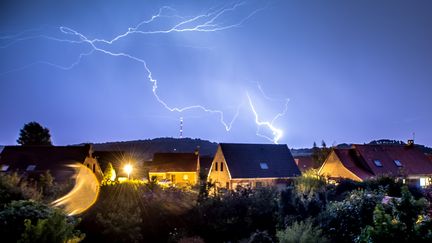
[301,232]
[342,221]
[35,221]
[260,237]
[13,187]
[401,220]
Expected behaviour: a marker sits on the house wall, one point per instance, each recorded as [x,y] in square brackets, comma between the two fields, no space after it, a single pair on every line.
[93,165]
[177,178]
[260,182]
[333,168]
[222,179]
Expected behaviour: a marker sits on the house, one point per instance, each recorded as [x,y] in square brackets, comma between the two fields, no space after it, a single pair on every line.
[31,161]
[178,169]
[252,165]
[305,162]
[361,162]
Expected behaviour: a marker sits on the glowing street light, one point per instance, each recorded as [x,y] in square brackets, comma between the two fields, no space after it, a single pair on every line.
[128,169]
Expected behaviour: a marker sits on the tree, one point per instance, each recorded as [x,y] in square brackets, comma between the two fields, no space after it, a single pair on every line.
[34,134]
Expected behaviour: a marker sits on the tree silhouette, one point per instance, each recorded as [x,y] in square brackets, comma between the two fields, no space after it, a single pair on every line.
[34,134]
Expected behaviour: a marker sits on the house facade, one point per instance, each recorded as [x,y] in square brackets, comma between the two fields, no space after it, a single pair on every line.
[252,165]
[31,161]
[361,162]
[178,169]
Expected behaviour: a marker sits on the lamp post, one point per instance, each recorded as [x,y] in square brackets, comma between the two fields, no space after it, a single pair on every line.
[128,169]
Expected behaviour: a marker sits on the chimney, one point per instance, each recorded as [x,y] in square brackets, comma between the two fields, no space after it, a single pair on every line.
[410,143]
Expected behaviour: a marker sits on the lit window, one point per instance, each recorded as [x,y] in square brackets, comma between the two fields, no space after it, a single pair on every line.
[185,177]
[423,182]
[31,168]
[4,168]
[378,163]
[397,163]
[264,166]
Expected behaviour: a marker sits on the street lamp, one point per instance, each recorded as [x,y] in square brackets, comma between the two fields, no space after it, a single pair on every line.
[128,169]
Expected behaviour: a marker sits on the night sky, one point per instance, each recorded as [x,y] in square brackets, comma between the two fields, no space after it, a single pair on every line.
[339,71]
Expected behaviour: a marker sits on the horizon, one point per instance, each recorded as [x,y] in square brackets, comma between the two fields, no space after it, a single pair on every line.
[230,71]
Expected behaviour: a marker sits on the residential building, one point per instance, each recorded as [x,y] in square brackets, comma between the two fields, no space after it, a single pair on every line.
[305,162]
[31,161]
[361,162]
[178,169]
[252,165]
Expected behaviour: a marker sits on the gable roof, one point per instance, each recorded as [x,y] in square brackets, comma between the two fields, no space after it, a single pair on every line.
[244,160]
[413,160]
[360,160]
[52,158]
[173,162]
[352,162]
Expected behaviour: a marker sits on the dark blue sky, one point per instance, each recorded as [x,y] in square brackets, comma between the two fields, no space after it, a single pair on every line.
[353,71]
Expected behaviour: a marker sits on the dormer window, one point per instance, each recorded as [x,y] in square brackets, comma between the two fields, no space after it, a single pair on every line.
[31,168]
[4,168]
[264,166]
[397,163]
[378,163]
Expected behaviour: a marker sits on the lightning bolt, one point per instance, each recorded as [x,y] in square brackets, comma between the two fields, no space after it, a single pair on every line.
[276,132]
[208,22]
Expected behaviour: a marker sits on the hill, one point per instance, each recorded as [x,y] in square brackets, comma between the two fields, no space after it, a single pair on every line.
[146,148]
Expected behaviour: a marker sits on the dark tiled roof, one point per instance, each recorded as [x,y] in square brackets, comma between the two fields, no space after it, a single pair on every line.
[360,160]
[353,163]
[244,160]
[305,162]
[173,162]
[414,161]
[52,158]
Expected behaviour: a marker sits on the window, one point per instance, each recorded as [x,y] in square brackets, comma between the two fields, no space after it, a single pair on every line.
[94,168]
[31,168]
[258,184]
[173,178]
[216,164]
[423,182]
[4,168]
[397,163]
[221,166]
[264,166]
[185,177]
[227,185]
[377,163]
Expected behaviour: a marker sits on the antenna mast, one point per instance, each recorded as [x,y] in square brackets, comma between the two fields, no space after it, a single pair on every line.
[181,127]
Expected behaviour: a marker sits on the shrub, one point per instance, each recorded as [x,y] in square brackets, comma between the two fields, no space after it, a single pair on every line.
[301,232]
[401,220]
[342,221]
[34,220]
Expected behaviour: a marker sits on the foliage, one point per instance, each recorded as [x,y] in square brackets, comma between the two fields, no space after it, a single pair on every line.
[34,221]
[400,220]
[310,182]
[109,175]
[133,211]
[56,228]
[234,215]
[342,221]
[14,187]
[301,232]
[34,134]
[260,237]
[319,155]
